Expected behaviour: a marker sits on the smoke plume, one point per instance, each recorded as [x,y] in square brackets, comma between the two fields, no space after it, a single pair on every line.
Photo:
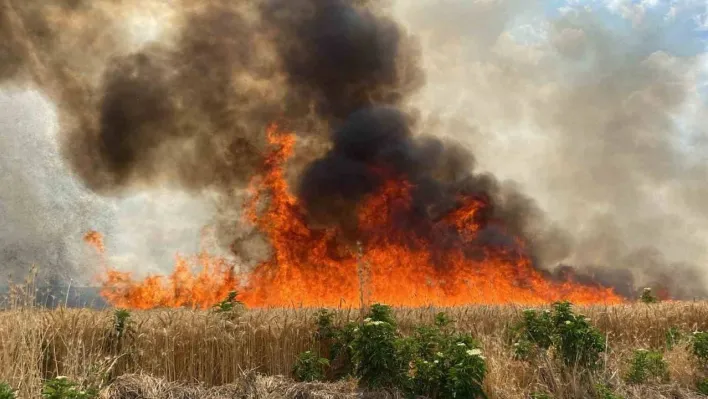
[187,110]
[601,126]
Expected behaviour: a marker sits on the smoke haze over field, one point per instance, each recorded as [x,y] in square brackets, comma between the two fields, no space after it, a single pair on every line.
[604,127]
[590,117]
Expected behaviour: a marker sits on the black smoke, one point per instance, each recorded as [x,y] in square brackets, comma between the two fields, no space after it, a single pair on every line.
[190,111]
[193,112]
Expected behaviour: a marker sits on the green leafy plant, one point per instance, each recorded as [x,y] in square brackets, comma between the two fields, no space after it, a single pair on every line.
[229,304]
[6,391]
[534,333]
[435,361]
[310,367]
[647,365]
[702,386]
[571,336]
[700,347]
[447,366]
[121,318]
[524,349]
[605,392]
[335,343]
[540,395]
[648,296]
[577,341]
[63,388]
[538,327]
[325,325]
[378,353]
[442,320]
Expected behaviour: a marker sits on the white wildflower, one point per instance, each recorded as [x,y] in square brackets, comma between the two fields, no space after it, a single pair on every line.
[474,352]
[568,322]
[368,319]
[436,362]
[461,344]
[439,354]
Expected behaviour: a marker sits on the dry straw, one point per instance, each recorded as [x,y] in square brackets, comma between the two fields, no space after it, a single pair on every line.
[189,351]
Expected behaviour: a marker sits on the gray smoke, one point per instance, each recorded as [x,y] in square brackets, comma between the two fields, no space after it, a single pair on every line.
[586,118]
[583,121]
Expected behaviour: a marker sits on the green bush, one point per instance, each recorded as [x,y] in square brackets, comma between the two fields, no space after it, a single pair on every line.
[648,296]
[434,361]
[524,349]
[577,341]
[702,386]
[571,335]
[230,304]
[647,365]
[700,347]
[121,318]
[379,355]
[446,364]
[538,328]
[336,344]
[325,325]
[63,388]
[310,367]
[6,391]
[604,392]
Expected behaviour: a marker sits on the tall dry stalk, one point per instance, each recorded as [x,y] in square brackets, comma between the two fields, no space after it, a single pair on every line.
[363,274]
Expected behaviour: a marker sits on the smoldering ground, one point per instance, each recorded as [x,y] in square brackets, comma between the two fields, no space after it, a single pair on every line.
[189,111]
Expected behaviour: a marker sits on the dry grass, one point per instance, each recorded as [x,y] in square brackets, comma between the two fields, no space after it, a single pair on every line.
[248,386]
[180,348]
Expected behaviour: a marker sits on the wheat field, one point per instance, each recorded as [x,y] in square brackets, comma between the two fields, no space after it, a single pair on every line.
[179,350]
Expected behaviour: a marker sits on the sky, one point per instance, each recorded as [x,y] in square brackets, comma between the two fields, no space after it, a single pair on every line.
[492,64]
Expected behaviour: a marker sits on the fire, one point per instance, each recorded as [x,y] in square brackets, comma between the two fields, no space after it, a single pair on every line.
[210,285]
[95,239]
[399,259]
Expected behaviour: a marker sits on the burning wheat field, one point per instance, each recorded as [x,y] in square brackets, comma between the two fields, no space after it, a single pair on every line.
[353,198]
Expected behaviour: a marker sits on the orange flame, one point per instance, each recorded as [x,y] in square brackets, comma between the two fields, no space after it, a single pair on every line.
[95,239]
[210,285]
[312,268]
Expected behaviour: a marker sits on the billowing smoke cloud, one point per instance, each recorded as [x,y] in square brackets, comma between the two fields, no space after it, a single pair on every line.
[45,211]
[599,122]
[189,110]
[192,110]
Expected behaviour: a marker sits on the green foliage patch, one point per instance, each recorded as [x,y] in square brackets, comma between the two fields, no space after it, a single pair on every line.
[647,365]
[6,391]
[571,336]
[63,388]
[433,362]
